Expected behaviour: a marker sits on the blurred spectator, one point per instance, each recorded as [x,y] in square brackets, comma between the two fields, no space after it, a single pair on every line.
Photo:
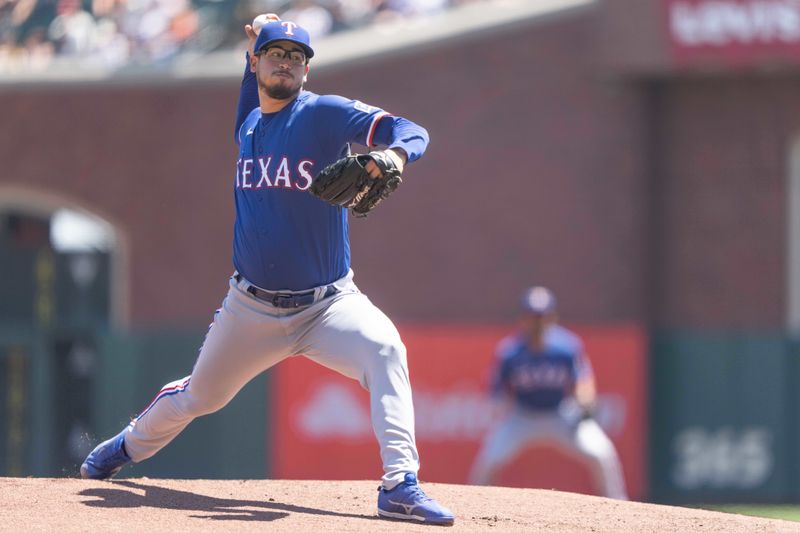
[409,8]
[114,33]
[72,30]
[111,48]
[310,15]
[351,13]
[37,51]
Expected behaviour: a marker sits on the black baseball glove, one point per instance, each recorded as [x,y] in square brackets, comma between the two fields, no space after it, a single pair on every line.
[347,183]
[587,412]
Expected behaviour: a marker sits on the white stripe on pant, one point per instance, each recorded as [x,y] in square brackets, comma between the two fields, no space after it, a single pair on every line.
[344,332]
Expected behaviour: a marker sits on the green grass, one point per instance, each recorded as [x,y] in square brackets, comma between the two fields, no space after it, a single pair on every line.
[782,512]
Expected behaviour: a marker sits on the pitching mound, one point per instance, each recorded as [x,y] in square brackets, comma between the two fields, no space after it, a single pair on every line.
[149,505]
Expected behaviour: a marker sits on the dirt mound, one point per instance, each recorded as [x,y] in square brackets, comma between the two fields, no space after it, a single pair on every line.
[148,505]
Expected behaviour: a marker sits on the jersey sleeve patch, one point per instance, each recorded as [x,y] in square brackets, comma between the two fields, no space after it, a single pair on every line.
[361,106]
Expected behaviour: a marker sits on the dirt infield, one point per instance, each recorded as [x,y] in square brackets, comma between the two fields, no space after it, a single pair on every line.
[142,504]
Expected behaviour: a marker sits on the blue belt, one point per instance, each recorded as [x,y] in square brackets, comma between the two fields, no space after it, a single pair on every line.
[286,300]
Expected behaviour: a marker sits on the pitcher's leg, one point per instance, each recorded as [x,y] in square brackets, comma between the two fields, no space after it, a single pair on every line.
[354,338]
[240,344]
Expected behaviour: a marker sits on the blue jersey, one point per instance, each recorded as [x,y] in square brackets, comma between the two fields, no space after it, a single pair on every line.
[285,238]
[540,379]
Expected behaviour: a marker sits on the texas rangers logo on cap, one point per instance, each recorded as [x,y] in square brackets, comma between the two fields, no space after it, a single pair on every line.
[284,30]
[289,27]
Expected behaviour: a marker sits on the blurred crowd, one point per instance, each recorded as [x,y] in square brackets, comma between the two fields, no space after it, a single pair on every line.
[115,33]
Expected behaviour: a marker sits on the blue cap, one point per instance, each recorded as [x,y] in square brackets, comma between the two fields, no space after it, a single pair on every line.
[283,30]
[538,300]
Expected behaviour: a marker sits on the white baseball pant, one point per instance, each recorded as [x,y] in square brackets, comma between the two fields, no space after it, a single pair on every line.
[344,332]
[585,440]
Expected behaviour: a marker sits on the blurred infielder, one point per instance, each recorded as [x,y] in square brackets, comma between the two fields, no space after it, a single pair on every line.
[293,292]
[543,371]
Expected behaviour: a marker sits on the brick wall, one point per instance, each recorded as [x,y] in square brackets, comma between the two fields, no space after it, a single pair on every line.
[658,201]
[721,197]
[157,161]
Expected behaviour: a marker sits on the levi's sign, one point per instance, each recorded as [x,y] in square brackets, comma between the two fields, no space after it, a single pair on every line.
[734,31]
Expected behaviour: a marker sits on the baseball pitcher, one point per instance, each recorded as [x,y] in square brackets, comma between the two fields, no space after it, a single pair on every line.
[292,291]
[542,371]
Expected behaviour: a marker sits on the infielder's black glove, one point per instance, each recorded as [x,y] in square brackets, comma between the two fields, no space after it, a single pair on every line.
[347,183]
[587,412]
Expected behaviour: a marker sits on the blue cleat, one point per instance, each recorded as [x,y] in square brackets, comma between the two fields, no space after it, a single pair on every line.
[407,502]
[107,459]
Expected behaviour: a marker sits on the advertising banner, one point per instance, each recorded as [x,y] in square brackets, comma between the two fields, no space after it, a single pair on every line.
[725,406]
[321,425]
[733,32]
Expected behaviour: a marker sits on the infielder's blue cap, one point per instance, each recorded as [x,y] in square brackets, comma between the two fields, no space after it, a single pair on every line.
[283,30]
[538,300]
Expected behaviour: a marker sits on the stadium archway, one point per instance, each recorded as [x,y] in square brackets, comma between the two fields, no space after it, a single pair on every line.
[41,231]
[63,285]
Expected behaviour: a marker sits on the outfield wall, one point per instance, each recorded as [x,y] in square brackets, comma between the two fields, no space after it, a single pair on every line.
[708,418]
